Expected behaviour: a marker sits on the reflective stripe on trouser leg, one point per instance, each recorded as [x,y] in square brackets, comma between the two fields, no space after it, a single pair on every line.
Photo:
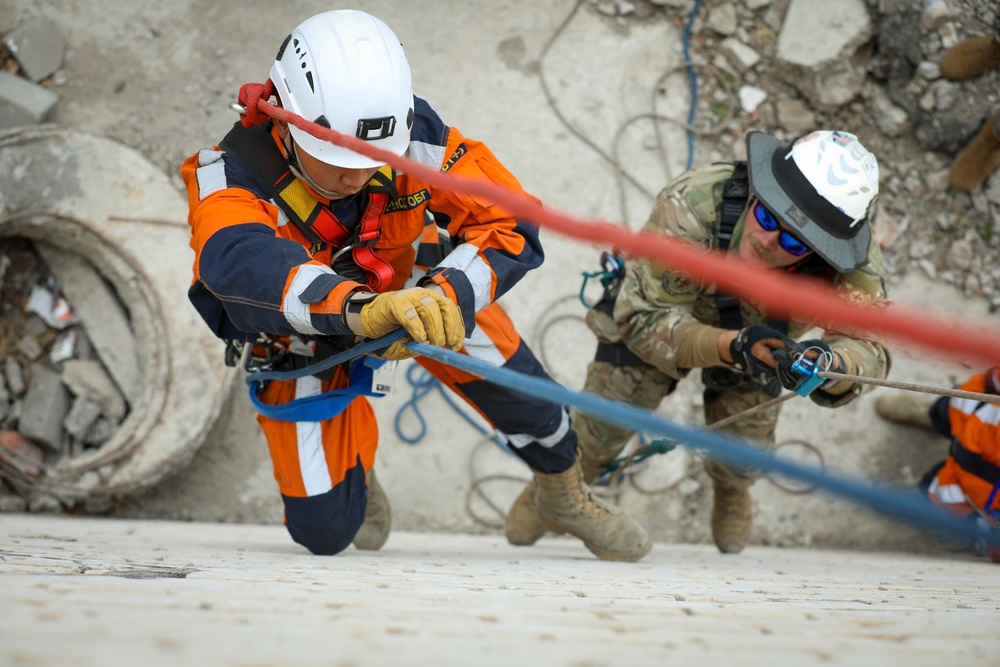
[321,467]
[757,428]
[538,432]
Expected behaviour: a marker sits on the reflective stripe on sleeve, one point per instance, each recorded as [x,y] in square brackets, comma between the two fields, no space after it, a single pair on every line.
[466,259]
[295,311]
[211,173]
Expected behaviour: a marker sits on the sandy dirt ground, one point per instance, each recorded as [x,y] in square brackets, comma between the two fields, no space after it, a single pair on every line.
[158,76]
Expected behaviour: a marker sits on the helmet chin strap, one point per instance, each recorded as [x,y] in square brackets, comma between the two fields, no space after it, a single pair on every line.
[292,155]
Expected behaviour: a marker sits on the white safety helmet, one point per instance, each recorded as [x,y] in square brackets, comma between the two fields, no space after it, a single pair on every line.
[346,70]
[823,189]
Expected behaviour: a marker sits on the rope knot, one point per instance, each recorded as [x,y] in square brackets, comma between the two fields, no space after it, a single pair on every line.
[251,94]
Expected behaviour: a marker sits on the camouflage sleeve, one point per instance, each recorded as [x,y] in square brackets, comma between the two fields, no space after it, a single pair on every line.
[655,305]
[864,353]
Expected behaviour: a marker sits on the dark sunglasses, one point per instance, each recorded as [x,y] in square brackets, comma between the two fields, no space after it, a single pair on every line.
[769,223]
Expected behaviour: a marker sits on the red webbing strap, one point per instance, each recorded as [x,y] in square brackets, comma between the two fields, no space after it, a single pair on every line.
[379,273]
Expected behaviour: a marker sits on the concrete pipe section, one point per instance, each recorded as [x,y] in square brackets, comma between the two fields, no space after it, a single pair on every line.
[112,229]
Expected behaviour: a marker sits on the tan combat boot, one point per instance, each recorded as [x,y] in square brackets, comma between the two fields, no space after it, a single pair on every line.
[523,527]
[979,158]
[970,57]
[378,518]
[906,408]
[566,505]
[732,509]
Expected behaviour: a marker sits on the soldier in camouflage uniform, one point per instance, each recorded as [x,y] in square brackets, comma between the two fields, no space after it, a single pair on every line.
[802,209]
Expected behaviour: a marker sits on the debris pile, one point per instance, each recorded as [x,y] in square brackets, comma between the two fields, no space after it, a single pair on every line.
[69,366]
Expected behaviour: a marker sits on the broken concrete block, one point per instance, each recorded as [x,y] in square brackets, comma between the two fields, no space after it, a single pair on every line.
[87,378]
[14,376]
[38,46]
[29,347]
[24,103]
[750,98]
[101,315]
[100,432]
[739,55]
[45,406]
[820,50]
[795,116]
[81,417]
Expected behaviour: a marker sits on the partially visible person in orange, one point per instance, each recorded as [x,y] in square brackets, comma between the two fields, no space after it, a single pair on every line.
[967,482]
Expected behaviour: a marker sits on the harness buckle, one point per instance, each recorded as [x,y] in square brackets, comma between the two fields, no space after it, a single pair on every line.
[261,355]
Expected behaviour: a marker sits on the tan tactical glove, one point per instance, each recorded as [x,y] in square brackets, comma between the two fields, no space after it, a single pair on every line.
[427,316]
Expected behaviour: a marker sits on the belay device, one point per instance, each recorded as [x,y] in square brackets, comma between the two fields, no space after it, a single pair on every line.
[808,372]
[804,372]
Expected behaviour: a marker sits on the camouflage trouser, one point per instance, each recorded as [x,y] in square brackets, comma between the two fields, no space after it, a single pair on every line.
[644,387]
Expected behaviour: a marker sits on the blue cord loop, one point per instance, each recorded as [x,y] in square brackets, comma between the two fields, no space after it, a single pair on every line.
[424,383]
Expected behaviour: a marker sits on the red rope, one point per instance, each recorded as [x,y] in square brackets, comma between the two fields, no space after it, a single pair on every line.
[969,341]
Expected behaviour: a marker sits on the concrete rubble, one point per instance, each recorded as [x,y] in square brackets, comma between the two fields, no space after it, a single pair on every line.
[85,334]
[34,51]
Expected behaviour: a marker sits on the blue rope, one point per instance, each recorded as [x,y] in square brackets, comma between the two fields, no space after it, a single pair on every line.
[908,506]
[424,383]
[686,39]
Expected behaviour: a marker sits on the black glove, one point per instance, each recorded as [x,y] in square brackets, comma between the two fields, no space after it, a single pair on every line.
[753,352]
[815,350]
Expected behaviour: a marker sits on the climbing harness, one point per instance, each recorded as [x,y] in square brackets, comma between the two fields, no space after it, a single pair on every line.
[331,403]
[255,149]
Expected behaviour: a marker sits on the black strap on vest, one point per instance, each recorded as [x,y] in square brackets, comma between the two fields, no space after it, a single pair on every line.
[255,149]
[616,354]
[735,194]
[974,463]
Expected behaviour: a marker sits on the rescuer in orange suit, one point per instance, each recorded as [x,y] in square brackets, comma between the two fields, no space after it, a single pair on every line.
[303,246]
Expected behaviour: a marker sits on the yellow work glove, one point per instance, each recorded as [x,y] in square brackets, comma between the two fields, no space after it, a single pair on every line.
[427,316]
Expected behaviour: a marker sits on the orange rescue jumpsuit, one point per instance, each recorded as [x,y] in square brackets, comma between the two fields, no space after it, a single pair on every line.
[255,271]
